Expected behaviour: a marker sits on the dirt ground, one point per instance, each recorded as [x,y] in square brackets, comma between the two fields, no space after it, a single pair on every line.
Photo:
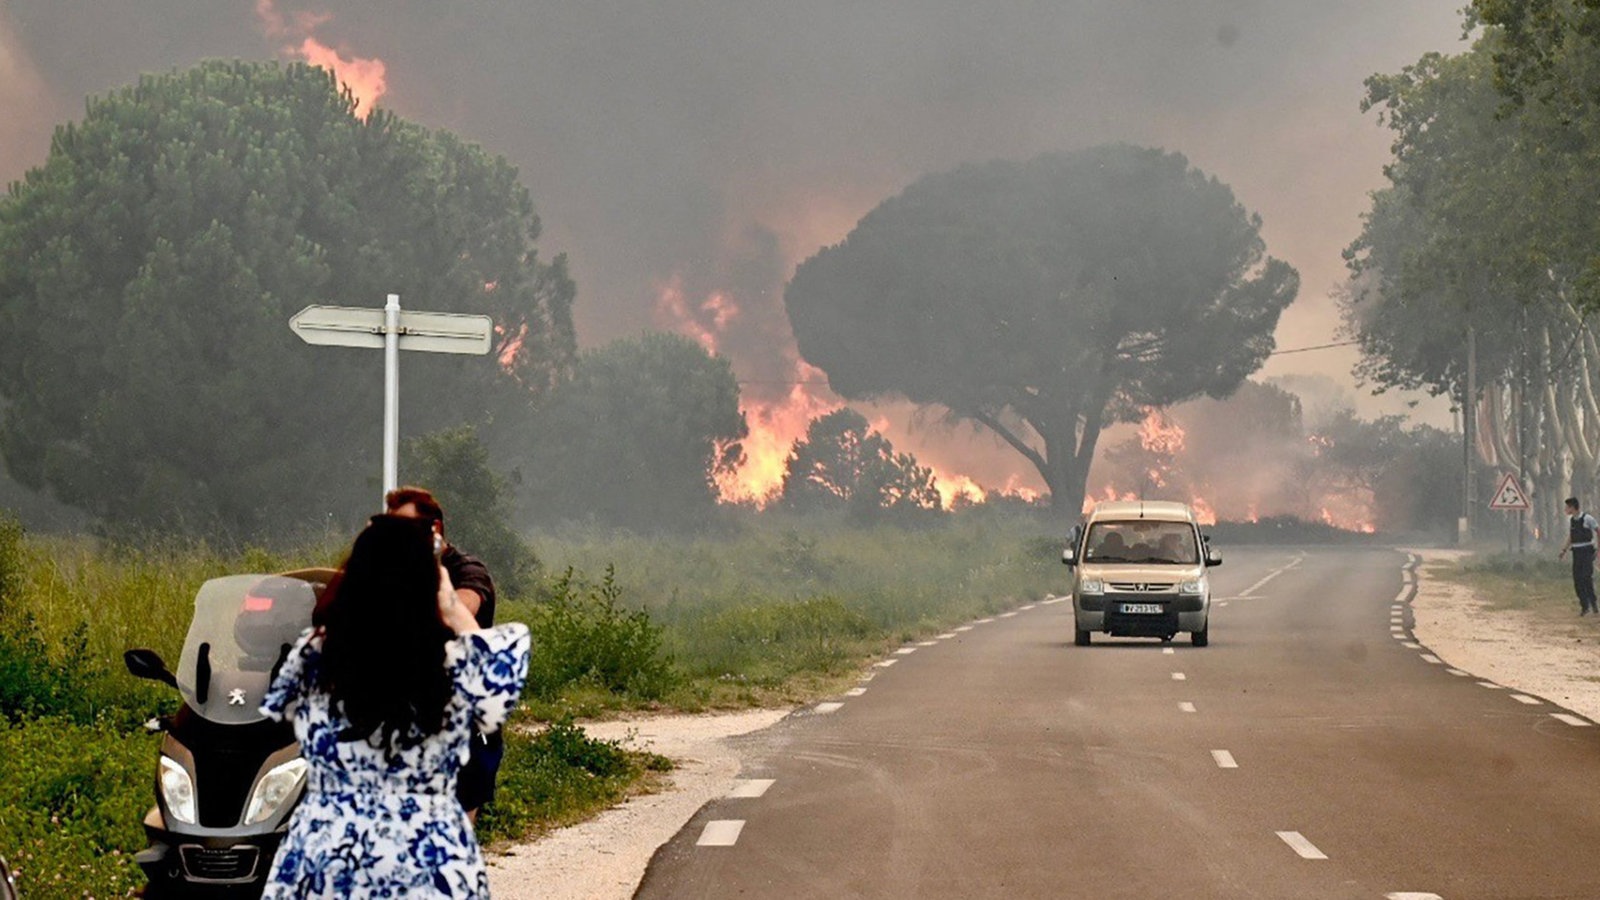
[1539,652]
[605,857]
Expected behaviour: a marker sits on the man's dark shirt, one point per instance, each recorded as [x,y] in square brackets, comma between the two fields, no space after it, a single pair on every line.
[470,572]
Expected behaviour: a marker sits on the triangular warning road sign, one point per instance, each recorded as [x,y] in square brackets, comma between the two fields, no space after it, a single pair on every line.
[1509,495]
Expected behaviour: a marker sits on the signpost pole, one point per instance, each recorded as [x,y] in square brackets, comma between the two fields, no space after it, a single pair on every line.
[391,394]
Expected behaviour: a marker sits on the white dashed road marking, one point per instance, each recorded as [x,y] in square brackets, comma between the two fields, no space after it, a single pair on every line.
[984,621]
[1007,615]
[721,833]
[830,706]
[1524,698]
[1021,608]
[1179,676]
[1168,651]
[905,651]
[1491,685]
[1433,660]
[926,643]
[855,692]
[1412,895]
[1269,576]
[1458,673]
[1570,719]
[963,628]
[886,663]
[1224,759]
[750,787]
[1298,843]
[1412,645]
[1186,706]
[947,635]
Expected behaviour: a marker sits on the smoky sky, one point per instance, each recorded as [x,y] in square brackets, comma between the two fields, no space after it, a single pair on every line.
[713,144]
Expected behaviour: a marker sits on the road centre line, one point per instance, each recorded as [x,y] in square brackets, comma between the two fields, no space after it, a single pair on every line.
[1224,759]
[1179,676]
[1268,577]
[1525,700]
[1298,843]
[1411,895]
[1186,706]
[831,706]
[750,787]
[1167,651]
[1570,719]
[721,833]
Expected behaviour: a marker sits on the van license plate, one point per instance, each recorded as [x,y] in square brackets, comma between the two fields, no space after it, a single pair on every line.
[1142,608]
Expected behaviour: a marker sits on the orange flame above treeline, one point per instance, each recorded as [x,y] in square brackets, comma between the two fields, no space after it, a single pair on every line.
[366,77]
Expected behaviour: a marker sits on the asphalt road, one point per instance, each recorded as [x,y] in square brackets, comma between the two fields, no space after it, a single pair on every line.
[1312,751]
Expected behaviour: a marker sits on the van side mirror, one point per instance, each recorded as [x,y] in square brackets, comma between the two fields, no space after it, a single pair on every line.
[1213,558]
[1069,556]
[147,664]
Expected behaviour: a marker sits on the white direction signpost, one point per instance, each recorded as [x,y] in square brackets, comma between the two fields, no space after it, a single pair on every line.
[392,330]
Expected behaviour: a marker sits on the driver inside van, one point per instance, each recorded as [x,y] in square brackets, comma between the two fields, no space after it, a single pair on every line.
[1112,545]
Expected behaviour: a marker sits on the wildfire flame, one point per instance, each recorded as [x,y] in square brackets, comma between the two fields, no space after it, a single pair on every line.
[365,77]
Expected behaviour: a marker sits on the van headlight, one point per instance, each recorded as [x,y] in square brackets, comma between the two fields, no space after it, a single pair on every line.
[1193,586]
[177,789]
[275,788]
[1092,586]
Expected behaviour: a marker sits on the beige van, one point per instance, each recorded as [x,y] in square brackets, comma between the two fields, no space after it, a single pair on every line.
[1139,570]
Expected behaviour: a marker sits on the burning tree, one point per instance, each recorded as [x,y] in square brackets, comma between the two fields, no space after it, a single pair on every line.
[842,463]
[1047,298]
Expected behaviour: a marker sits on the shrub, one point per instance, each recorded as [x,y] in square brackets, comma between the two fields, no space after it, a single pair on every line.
[770,641]
[72,797]
[584,636]
[557,776]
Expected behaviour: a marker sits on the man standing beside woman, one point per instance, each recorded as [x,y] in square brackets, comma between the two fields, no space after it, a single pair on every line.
[387,693]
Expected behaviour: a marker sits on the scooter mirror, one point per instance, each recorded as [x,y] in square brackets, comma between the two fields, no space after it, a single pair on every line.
[143,663]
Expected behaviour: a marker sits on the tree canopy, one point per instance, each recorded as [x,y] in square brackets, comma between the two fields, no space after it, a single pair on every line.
[637,437]
[149,267]
[1044,299]
[842,463]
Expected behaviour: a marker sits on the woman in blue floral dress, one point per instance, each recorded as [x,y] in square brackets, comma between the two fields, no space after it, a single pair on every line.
[385,696]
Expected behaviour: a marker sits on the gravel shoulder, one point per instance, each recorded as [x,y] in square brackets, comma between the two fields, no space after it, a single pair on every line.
[605,857]
[1532,651]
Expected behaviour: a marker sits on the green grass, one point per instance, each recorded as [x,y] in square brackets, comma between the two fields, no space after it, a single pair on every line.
[1534,583]
[775,610]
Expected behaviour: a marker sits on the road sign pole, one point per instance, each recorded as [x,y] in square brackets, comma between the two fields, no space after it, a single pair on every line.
[391,393]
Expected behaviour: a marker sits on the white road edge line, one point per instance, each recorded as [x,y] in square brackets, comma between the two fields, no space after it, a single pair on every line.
[855,692]
[884,664]
[1412,645]
[750,787]
[905,651]
[1298,843]
[1432,660]
[721,833]
[1458,673]
[946,636]
[1570,719]
[927,643]
[963,628]
[1007,615]
[1411,895]
[1224,759]
[1491,686]
[1179,676]
[830,707]
[1185,706]
[1526,700]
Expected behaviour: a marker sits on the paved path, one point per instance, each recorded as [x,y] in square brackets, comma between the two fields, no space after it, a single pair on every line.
[1314,750]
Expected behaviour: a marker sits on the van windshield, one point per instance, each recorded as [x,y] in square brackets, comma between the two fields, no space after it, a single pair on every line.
[1141,541]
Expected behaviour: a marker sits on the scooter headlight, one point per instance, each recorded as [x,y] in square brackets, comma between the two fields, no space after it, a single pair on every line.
[275,788]
[177,789]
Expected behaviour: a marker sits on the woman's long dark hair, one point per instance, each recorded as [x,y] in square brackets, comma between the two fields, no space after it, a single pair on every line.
[382,640]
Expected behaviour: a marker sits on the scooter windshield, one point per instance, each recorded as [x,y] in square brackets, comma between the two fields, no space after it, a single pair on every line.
[241,626]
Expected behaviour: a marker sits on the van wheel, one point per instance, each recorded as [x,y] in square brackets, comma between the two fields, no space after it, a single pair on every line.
[1202,637]
[1082,638]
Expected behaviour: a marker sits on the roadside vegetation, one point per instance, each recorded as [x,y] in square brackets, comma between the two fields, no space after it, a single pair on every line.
[1533,582]
[771,610]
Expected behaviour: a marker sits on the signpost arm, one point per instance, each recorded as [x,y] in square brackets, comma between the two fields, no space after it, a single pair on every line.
[391,393]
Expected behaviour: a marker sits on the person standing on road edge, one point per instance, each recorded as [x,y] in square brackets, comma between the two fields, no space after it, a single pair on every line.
[470,577]
[1581,541]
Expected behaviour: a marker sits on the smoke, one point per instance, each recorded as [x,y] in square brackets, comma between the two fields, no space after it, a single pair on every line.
[689,153]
